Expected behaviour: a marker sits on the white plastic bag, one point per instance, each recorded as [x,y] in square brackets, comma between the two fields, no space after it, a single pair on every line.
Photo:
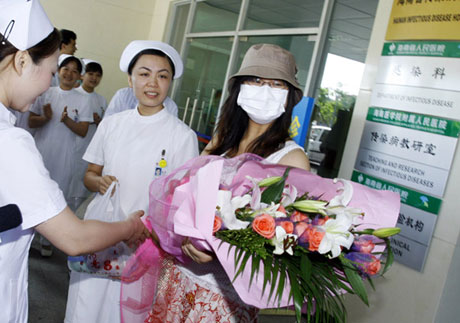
[111,261]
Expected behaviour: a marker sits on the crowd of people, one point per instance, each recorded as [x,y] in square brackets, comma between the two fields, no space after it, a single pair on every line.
[61,143]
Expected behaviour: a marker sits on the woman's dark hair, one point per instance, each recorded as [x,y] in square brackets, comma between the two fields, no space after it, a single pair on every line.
[234,121]
[72,59]
[150,52]
[93,67]
[42,50]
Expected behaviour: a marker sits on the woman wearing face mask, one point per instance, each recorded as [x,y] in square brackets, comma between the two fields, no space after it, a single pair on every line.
[255,119]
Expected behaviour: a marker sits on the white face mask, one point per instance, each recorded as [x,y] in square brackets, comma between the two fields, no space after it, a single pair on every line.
[263,104]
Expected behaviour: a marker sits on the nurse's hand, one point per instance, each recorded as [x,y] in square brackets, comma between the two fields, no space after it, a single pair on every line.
[196,255]
[139,231]
[104,183]
[47,112]
[96,118]
[64,114]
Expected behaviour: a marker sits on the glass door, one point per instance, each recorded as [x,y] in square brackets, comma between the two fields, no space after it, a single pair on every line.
[198,95]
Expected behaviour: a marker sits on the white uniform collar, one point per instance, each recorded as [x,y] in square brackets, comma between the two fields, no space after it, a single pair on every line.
[6,116]
[153,118]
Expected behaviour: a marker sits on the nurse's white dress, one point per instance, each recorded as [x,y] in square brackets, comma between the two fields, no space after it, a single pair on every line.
[55,141]
[133,148]
[77,190]
[26,183]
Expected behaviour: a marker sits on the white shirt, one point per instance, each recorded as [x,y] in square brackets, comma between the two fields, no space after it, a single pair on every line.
[289,146]
[124,99]
[98,104]
[26,183]
[130,147]
[55,141]
[22,121]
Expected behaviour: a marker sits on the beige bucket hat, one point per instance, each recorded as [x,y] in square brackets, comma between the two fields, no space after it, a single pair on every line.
[270,62]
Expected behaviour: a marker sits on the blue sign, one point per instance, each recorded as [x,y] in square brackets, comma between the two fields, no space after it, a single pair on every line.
[301,116]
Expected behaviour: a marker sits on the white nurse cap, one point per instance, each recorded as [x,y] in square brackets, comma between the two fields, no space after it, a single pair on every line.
[23,23]
[86,61]
[137,46]
[62,57]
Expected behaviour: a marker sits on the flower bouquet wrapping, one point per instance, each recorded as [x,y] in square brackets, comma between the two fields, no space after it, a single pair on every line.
[283,236]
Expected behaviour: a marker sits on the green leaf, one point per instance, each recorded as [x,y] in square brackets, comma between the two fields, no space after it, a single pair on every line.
[275,272]
[246,257]
[355,280]
[280,289]
[305,266]
[254,267]
[298,297]
[371,282]
[274,192]
[389,258]
[267,272]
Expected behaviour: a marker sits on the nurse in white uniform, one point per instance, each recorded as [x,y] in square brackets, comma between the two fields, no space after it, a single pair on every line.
[60,115]
[133,147]
[28,59]
[91,78]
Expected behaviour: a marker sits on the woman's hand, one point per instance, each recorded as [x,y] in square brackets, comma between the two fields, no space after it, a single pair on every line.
[64,115]
[96,119]
[140,232]
[47,112]
[196,255]
[104,183]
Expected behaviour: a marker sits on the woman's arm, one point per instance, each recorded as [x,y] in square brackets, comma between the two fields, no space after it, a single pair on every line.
[296,158]
[37,121]
[79,128]
[75,237]
[94,181]
[211,144]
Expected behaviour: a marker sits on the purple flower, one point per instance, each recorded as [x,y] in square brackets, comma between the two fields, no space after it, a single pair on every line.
[364,244]
[366,263]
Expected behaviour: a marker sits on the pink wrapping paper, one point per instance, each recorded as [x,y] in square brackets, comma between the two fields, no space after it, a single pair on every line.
[381,209]
[183,203]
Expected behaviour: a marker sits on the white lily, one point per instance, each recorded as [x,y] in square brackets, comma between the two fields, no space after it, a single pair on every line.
[352,213]
[226,207]
[271,209]
[289,195]
[278,241]
[337,235]
[346,193]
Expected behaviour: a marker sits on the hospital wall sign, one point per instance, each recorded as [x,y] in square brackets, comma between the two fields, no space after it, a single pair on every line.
[424,19]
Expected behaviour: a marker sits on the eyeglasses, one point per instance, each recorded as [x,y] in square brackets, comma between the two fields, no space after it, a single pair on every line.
[276,84]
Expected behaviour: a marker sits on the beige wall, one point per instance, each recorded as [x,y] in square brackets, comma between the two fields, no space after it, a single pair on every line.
[404,295]
[105,27]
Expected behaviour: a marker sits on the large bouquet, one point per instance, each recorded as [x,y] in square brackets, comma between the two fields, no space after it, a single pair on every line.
[284,236]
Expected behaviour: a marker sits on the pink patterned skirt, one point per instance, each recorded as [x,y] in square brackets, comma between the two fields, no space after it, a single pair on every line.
[180,299]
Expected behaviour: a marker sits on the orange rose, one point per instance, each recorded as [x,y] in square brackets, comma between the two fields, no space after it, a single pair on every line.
[288,226]
[217,224]
[300,228]
[264,225]
[281,209]
[321,221]
[374,266]
[298,216]
[314,238]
